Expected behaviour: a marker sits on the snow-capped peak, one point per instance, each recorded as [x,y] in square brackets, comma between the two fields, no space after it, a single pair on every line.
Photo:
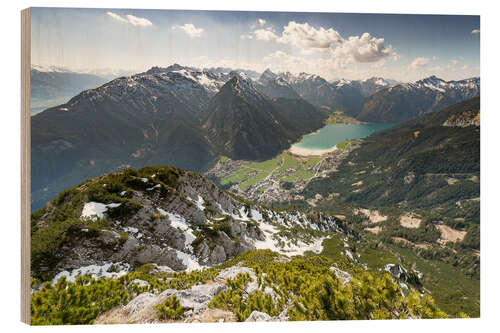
[343,82]
[267,76]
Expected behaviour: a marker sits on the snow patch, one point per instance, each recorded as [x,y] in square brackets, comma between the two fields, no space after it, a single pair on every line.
[179,222]
[95,271]
[131,230]
[200,203]
[189,261]
[349,254]
[288,248]
[93,210]
[153,187]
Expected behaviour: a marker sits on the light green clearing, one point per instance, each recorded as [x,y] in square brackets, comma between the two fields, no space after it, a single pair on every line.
[254,172]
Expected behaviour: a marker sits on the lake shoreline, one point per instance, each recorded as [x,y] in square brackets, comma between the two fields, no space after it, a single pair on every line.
[306,152]
[324,140]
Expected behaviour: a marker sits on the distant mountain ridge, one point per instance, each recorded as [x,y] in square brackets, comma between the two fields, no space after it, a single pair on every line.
[52,86]
[408,101]
[346,95]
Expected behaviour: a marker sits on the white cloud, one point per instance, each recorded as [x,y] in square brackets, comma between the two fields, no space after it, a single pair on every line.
[265,34]
[363,49]
[139,21]
[303,35]
[262,22]
[419,62]
[475,31]
[190,30]
[454,62]
[131,19]
[117,17]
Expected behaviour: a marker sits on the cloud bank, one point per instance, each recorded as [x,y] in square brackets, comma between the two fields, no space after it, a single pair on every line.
[326,42]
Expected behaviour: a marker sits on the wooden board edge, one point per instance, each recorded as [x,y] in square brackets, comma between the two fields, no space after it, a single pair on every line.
[25,165]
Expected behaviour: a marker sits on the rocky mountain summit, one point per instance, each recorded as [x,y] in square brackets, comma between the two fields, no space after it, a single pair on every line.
[163,216]
[244,123]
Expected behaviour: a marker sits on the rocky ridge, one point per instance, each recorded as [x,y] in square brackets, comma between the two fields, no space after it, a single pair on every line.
[186,225]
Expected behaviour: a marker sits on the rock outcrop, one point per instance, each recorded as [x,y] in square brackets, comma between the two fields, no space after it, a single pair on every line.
[464,119]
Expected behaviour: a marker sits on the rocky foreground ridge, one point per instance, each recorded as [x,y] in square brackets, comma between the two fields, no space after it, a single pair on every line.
[166,216]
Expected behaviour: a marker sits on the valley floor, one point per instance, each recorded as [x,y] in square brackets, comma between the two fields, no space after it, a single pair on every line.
[275,180]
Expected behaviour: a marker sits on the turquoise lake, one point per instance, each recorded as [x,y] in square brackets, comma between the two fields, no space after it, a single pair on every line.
[330,135]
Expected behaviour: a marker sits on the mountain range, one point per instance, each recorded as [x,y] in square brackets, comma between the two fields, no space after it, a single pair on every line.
[176,115]
[375,99]
[246,124]
[346,95]
[187,117]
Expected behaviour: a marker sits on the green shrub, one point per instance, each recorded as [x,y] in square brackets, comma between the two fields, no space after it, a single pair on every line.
[76,303]
[128,208]
[315,293]
[123,237]
[472,238]
[222,225]
[171,309]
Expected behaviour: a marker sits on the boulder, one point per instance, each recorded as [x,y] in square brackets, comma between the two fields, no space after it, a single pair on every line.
[108,237]
[344,277]
[259,316]
[196,298]
[218,255]
[140,283]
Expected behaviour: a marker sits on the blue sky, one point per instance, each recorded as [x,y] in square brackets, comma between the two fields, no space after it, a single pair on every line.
[333,45]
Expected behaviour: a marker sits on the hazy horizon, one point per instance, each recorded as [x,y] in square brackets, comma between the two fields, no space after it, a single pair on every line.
[106,72]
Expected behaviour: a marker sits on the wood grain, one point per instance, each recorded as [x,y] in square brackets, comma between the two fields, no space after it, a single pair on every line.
[25,164]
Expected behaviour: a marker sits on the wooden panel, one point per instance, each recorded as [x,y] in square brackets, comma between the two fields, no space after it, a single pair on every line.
[25,165]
